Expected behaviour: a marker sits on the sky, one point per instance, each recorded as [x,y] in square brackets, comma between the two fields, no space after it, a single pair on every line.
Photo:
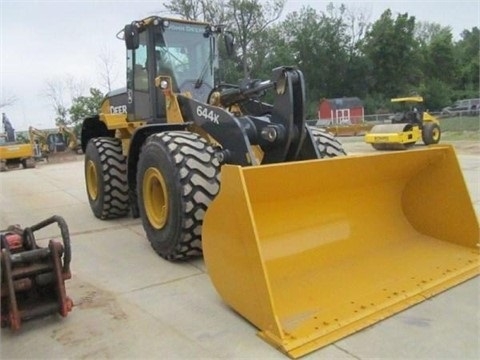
[44,42]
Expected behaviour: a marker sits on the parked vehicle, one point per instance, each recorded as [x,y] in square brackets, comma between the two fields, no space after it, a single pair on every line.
[466,107]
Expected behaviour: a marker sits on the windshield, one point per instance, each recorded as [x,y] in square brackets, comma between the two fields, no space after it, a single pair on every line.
[183,49]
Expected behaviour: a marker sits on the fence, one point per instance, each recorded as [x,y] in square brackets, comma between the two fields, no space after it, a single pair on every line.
[464,121]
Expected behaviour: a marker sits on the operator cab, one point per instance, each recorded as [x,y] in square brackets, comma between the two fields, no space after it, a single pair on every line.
[411,111]
[183,50]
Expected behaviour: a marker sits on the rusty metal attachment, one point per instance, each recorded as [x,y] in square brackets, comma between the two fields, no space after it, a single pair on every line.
[33,277]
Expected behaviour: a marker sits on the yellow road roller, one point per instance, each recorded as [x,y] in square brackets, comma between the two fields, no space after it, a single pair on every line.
[406,128]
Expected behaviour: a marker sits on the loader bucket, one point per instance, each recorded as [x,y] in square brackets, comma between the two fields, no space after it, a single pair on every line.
[310,252]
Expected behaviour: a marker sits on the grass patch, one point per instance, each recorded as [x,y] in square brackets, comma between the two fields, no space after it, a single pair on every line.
[461,135]
[461,128]
[460,124]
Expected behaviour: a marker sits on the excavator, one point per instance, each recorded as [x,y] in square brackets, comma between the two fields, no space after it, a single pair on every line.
[12,152]
[305,242]
[72,141]
[48,144]
[38,140]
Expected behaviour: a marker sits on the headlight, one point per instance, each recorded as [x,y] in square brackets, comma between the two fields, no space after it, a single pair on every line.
[164,84]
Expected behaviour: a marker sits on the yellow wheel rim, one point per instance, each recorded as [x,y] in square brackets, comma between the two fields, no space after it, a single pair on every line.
[92,180]
[155,198]
[436,134]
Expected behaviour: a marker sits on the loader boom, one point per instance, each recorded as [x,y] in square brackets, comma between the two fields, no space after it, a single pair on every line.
[281,133]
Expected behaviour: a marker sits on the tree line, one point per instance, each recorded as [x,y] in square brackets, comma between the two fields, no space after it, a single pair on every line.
[340,52]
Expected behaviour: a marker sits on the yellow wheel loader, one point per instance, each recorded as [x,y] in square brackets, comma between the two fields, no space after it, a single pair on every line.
[300,240]
[406,128]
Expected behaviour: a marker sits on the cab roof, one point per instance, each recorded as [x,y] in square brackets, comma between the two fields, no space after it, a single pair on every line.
[418,99]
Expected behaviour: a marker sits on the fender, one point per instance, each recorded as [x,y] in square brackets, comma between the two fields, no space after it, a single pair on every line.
[92,127]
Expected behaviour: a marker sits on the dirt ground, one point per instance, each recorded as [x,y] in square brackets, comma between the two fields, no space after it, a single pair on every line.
[468,147]
[352,145]
[130,304]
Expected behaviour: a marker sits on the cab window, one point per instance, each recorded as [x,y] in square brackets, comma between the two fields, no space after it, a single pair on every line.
[140,81]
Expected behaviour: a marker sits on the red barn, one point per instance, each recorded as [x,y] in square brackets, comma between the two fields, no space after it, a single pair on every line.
[341,111]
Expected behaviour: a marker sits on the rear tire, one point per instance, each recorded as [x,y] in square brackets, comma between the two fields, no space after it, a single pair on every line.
[177,178]
[106,178]
[431,133]
[326,143]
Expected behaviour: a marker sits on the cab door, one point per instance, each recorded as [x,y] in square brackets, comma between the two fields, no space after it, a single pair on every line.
[139,83]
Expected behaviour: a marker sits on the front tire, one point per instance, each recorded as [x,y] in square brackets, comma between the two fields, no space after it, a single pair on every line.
[431,133]
[106,178]
[327,144]
[177,178]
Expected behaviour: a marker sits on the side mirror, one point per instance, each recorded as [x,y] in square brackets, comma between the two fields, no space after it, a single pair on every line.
[131,36]
[229,43]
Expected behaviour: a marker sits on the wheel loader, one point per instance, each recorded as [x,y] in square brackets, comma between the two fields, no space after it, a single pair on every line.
[407,127]
[299,239]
